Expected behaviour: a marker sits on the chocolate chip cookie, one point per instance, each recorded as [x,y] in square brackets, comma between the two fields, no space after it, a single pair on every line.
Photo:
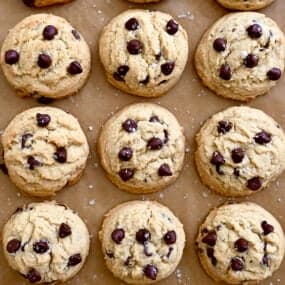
[45,242]
[142,148]
[142,242]
[143,52]
[44,150]
[240,244]
[44,55]
[241,56]
[245,4]
[240,151]
[44,3]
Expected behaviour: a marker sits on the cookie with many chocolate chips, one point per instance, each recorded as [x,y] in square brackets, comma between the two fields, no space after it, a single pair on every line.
[45,149]
[142,148]
[46,242]
[44,3]
[45,56]
[143,52]
[142,241]
[245,5]
[241,56]
[240,151]
[240,243]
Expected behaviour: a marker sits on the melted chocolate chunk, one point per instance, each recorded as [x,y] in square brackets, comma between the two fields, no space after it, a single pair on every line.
[251,60]
[126,174]
[110,254]
[237,155]
[130,126]
[128,261]
[143,236]
[210,239]
[12,56]
[118,235]
[220,44]
[237,264]
[274,74]
[44,61]
[125,154]
[158,56]
[132,24]
[170,237]
[33,163]
[24,139]
[172,27]
[236,172]
[150,271]
[155,143]
[167,68]
[74,68]
[145,81]
[76,34]
[41,247]
[164,170]
[49,32]
[265,260]
[254,31]
[267,228]
[134,47]
[241,245]
[74,259]
[154,119]
[262,138]
[169,251]
[225,72]
[13,245]
[64,230]
[217,160]
[60,155]
[34,276]
[121,72]
[224,127]
[43,119]
[166,137]
[210,254]
[254,183]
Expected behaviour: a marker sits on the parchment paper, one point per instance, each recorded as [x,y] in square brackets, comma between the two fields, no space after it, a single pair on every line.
[189,100]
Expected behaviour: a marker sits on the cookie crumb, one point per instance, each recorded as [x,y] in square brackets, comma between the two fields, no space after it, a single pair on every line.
[92,202]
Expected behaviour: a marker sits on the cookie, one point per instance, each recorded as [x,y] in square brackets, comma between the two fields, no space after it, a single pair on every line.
[240,244]
[44,3]
[142,242]
[245,4]
[44,55]
[143,1]
[241,56]
[240,151]
[44,150]
[143,52]
[142,148]
[45,242]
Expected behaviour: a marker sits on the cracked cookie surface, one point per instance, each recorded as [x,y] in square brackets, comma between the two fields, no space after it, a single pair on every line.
[240,151]
[44,3]
[143,52]
[240,243]
[241,56]
[142,148]
[44,55]
[44,150]
[142,241]
[245,4]
[45,242]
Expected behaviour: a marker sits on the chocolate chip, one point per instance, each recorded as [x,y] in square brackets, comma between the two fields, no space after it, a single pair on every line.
[24,139]
[41,247]
[76,34]
[254,31]
[236,172]
[254,183]
[18,210]
[13,245]
[12,56]
[167,68]
[146,250]
[134,47]
[155,143]
[43,119]
[132,24]
[118,235]
[49,32]
[44,61]
[241,245]
[224,127]
[169,251]
[130,126]
[262,137]
[251,60]
[225,72]
[166,138]
[236,264]
[267,228]
[265,260]
[145,81]
[172,27]
[74,259]
[220,44]
[210,254]
[170,237]
[33,163]
[34,276]
[110,254]
[217,159]
[64,230]
[164,170]
[126,174]
[150,271]
[60,155]
[143,236]
[210,239]
[154,119]
[274,74]
[158,56]
[74,68]
[125,154]
[123,70]
[128,260]
[45,100]
[237,155]
[3,168]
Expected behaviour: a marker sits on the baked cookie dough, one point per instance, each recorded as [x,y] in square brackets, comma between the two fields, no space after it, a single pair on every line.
[240,151]
[240,244]
[142,242]
[142,148]
[44,3]
[143,52]
[44,55]
[44,150]
[241,56]
[245,4]
[45,242]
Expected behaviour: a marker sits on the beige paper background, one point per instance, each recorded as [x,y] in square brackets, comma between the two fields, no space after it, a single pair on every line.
[189,100]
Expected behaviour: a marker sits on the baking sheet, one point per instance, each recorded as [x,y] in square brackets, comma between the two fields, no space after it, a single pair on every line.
[189,101]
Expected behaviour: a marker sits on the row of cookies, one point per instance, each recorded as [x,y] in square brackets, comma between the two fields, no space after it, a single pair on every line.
[144,53]
[143,242]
